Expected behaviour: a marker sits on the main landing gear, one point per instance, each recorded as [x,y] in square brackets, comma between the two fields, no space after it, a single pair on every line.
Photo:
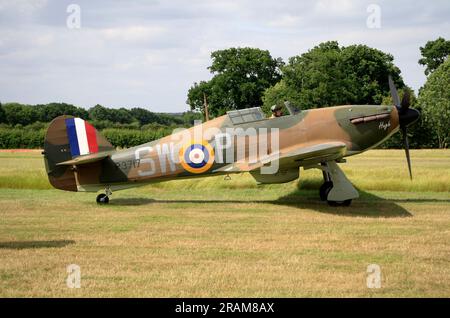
[336,189]
[103,198]
[324,189]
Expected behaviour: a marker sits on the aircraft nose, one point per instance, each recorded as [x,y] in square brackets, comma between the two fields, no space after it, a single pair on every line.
[408,116]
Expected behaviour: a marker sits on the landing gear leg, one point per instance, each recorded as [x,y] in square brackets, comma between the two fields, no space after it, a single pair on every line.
[103,198]
[337,190]
[327,184]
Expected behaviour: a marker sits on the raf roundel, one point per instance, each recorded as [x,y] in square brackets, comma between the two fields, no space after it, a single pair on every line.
[197,157]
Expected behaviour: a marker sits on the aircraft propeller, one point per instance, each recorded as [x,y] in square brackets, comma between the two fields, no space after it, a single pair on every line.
[406,116]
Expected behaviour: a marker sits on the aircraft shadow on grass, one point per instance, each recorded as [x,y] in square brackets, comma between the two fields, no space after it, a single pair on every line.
[21,245]
[367,205]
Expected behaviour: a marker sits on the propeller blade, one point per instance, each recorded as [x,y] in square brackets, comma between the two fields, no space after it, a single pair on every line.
[394,92]
[406,144]
[406,100]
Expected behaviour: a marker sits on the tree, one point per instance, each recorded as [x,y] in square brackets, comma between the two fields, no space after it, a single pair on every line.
[434,54]
[277,94]
[98,112]
[197,93]
[434,98]
[48,112]
[190,117]
[367,70]
[144,116]
[332,75]
[121,115]
[240,77]
[2,114]
[18,114]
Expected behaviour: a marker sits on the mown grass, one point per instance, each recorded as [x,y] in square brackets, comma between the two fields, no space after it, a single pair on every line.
[23,170]
[212,237]
[376,170]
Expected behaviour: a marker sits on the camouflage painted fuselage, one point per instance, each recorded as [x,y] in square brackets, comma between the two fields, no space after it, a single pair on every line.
[359,127]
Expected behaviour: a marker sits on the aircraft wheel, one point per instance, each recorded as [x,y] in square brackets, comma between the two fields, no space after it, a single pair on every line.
[325,188]
[340,203]
[102,199]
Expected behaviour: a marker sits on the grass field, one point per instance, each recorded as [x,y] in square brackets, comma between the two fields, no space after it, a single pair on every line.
[211,237]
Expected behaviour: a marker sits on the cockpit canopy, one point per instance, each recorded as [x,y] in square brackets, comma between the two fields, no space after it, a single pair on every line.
[247,115]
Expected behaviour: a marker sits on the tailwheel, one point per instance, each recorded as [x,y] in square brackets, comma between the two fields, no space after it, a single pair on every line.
[339,203]
[102,198]
[325,188]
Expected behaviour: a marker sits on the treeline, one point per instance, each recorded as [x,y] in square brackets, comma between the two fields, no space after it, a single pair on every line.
[14,114]
[24,126]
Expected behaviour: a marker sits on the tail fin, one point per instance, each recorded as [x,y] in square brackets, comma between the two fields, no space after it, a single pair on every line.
[67,138]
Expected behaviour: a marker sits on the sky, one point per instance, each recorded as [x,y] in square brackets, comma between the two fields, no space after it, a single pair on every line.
[148,53]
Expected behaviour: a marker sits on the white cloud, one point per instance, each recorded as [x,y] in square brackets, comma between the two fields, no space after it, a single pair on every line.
[341,7]
[285,20]
[23,6]
[44,40]
[132,33]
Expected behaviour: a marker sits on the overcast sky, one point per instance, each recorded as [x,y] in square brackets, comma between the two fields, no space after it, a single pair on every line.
[148,53]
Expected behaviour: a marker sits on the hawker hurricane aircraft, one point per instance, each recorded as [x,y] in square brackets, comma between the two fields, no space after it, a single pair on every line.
[272,150]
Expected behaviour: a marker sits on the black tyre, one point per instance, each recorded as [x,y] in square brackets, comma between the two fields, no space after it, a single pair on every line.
[102,199]
[340,203]
[325,188]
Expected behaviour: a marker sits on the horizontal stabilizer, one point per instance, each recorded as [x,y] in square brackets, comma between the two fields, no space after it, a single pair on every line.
[80,160]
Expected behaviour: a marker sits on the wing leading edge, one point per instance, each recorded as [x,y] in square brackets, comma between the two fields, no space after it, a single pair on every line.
[301,156]
[315,153]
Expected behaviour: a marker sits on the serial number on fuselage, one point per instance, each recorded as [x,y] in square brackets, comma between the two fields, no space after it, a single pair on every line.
[128,164]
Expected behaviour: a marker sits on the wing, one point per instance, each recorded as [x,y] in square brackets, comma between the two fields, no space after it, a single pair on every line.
[80,160]
[314,153]
[300,156]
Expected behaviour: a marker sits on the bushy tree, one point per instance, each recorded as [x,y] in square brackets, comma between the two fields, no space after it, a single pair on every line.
[16,113]
[434,53]
[48,112]
[190,117]
[100,113]
[330,75]
[240,77]
[144,116]
[434,99]
[277,94]
[2,114]
[169,119]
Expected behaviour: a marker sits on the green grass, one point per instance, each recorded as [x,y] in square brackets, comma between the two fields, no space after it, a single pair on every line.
[379,170]
[23,170]
[211,237]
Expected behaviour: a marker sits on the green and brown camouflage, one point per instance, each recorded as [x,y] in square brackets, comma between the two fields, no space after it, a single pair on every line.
[359,127]
[272,150]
